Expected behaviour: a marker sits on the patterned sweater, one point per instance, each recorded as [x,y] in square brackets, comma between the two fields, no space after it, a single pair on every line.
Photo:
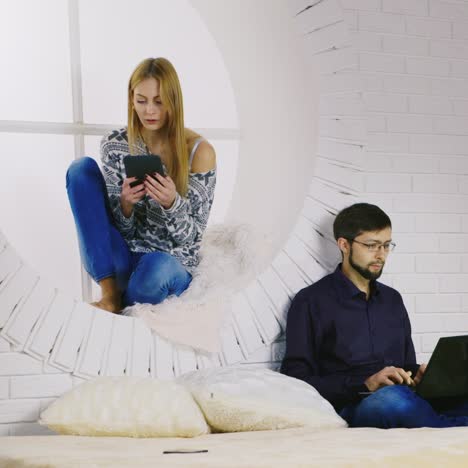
[177,230]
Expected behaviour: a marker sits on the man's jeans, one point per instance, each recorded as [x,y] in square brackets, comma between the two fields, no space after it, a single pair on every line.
[145,277]
[398,406]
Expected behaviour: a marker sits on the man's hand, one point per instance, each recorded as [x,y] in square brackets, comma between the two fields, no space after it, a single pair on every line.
[420,373]
[388,376]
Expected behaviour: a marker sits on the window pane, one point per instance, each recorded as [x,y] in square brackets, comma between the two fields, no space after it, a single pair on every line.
[118,34]
[34,52]
[35,213]
[227,152]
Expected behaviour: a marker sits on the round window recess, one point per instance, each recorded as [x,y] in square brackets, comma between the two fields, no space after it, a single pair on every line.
[276,96]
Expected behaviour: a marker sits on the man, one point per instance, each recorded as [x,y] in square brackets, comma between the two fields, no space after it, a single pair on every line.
[349,336]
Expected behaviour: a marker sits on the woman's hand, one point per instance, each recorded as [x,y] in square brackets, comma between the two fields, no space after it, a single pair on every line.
[161,189]
[130,195]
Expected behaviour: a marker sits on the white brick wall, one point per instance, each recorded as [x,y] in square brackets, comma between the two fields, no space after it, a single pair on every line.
[435,183]
[452,9]
[438,303]
[33,386]
[412,7]
[417,156]
[428,27]
[382,63]
[403,223]
[438,263]
[19,410]
[383,142]
[449,87]
[405,123]
[4,388]
[450,125]
[427,66]
[459,68]
[406,84]
[377,102]
[19,364]
[429,105]
[438,222]
[408,163]
[451,49]
[381,22]
[4,345]
[403,45]
[383,183]
[459,30]
[400,263]
[439,144]
[460,107]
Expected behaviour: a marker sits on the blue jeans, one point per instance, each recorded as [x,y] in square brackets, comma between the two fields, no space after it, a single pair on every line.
[144,277]
[398,406]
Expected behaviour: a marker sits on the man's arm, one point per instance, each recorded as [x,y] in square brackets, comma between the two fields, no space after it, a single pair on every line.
[392,375]
[303,337]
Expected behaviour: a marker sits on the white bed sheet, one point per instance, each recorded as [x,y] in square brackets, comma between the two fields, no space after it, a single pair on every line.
[298,448]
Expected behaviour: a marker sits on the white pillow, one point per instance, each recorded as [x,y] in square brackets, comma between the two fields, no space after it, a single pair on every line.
[243,398]
[126,406]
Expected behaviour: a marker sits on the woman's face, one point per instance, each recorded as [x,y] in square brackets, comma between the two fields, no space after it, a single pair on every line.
[148,105]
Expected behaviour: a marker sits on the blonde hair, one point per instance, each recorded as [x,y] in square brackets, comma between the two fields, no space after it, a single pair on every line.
[171,97]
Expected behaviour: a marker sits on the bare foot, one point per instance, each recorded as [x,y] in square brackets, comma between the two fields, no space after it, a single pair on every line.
[109,304]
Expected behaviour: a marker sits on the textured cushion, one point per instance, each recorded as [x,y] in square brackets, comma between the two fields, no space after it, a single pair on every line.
[244,398]
[126,406]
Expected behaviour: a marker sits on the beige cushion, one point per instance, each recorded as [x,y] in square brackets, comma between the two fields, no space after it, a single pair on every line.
[244,398]
[126,406]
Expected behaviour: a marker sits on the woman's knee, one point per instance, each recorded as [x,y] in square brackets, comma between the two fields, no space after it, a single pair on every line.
[157,276]
[82,168]
[160,267]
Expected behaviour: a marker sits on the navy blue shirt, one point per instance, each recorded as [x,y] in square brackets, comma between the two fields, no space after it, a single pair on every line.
[336,338]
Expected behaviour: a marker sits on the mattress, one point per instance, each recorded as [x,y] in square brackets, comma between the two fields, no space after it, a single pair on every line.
[296,448]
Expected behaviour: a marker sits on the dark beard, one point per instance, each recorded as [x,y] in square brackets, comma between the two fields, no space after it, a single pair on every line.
[367,274]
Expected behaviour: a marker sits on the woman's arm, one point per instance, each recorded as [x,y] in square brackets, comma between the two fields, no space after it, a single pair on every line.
[186,218]
[111,164]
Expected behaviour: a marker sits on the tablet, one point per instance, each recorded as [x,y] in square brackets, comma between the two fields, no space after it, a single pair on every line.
[141,165]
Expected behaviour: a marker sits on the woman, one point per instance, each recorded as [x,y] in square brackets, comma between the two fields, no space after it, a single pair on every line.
[141,243]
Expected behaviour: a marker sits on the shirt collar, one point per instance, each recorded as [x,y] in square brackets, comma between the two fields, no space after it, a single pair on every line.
[348,289]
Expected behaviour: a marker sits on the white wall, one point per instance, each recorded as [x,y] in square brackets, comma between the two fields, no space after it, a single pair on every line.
[277,117]
[394,132]
[413,60]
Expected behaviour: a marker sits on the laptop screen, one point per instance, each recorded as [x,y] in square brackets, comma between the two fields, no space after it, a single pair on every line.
[447,371]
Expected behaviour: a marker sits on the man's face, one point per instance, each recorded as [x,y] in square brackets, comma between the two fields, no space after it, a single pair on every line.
[369,264]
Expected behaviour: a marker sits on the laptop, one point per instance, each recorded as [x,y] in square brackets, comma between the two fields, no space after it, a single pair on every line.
[446,373]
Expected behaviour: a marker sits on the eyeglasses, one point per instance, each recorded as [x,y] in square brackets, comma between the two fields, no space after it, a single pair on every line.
[375,246]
